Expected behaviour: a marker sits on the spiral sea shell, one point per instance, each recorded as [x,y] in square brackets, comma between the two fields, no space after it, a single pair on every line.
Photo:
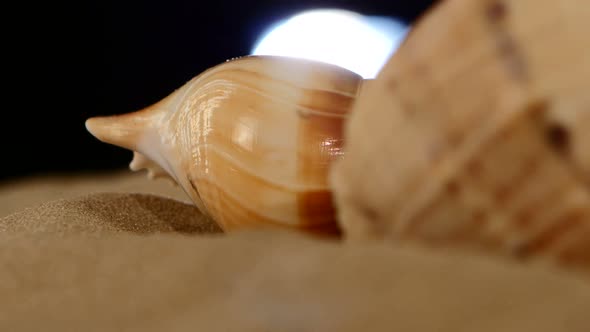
[481,121]
[251,140]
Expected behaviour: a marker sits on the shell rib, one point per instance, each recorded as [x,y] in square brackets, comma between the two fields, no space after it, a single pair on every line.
[251,140]
[480,127]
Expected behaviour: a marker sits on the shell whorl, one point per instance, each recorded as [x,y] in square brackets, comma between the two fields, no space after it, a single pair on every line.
[251,140]
[480,139]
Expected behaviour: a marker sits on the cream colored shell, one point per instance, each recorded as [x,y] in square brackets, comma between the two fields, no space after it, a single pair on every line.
[251,140]
[480,134]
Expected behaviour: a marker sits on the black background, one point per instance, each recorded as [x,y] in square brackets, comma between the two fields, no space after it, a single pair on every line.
[65,62]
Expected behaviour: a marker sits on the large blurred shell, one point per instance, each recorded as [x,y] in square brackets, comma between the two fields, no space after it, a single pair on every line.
[251,140]
[480,134]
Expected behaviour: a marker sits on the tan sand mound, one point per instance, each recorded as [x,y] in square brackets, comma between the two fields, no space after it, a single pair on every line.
[102,213]
[18,194]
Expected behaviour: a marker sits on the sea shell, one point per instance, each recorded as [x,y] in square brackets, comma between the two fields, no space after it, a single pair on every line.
[480,135]
[251,140]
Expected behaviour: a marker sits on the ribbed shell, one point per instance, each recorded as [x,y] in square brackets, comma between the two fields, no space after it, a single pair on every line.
[482,119]
[252,140]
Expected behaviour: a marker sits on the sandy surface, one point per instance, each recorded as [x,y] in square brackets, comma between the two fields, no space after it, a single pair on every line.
[18,194]
[117,252]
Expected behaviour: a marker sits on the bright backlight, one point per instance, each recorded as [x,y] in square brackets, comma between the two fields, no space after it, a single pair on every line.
[359,43]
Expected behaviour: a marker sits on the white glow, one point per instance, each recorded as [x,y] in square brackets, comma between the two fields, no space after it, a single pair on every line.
[359,43]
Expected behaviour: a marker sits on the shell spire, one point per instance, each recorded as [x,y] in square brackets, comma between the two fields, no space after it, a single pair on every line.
[141,132]
[121,130]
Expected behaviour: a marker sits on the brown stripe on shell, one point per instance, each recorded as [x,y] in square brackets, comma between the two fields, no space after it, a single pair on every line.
[315,208]
[327,102]
[231,214]
[319,144]
[253,188]
[247,128]
[234,215]
[223,166]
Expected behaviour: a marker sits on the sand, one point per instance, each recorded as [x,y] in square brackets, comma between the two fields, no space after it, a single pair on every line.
[21,193]
[118,252]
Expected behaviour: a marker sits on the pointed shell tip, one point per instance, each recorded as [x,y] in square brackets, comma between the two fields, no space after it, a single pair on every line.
[94,127]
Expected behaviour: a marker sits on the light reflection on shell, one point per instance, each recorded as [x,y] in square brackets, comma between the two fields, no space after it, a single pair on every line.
[251,140]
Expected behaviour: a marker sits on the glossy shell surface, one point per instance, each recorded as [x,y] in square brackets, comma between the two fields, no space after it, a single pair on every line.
[251,140]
